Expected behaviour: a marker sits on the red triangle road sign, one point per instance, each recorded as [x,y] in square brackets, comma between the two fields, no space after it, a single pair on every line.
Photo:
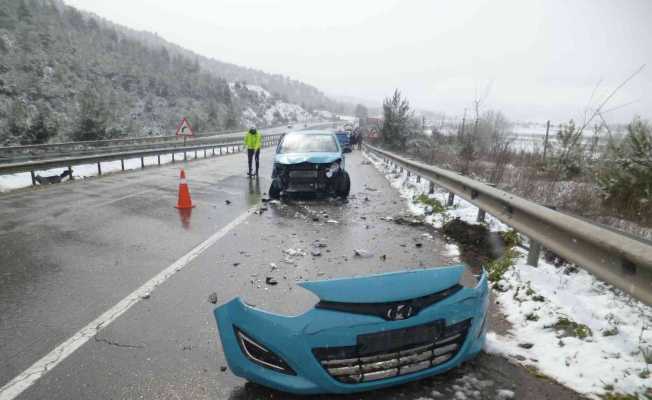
[184,128]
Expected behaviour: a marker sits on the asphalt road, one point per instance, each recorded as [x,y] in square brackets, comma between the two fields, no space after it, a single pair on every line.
[72,251]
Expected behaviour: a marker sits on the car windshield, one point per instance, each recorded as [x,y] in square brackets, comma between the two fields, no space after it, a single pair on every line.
[308,144]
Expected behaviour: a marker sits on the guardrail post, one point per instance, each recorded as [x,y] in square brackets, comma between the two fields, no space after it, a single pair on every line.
[142,162]
[481,214]
[122,164]
[418,178]
[195,154]
[173,157]
[185,157]
[534,253]
[99,168]
[451,199]
[431,188]
[33,178]
[220,150]
[159,159]
[204,153]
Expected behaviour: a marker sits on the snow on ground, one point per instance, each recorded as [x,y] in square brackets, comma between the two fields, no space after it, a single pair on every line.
[566,324]
[288,111]
[17,181]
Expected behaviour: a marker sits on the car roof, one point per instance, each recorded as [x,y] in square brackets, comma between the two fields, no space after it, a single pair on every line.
[312,132]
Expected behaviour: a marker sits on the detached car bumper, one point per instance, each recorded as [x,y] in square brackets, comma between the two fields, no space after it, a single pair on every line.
[369,343]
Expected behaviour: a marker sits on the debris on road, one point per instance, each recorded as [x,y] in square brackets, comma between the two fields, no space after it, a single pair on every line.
[315,253]
[146,296]
[212,298]
[362,253]
[235,264]
[418,245]
[271,281]
[332,221]
[383,257]
[294,252]
[227,202]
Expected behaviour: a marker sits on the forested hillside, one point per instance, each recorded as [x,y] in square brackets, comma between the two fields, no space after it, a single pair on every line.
[66,75]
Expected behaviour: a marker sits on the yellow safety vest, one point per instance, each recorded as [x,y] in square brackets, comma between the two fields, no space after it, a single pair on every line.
[253,141]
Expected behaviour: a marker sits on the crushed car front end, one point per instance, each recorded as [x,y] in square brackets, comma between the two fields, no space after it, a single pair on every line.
[315,173]
[365,333]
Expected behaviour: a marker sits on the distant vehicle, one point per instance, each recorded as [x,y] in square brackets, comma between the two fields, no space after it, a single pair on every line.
[309,161]
[345,141]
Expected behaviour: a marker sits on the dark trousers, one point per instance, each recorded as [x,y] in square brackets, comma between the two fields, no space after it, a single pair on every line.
[251,154]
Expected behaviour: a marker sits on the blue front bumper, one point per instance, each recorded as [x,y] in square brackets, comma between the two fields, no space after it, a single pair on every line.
[313,344]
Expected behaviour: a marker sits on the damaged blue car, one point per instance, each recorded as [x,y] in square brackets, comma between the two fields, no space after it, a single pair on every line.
[364,333]
[309,161]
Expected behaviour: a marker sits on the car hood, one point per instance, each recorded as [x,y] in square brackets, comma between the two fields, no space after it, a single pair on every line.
[396,286]
[317,158]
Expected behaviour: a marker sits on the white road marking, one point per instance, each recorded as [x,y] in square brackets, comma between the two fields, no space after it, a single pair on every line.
[28,377]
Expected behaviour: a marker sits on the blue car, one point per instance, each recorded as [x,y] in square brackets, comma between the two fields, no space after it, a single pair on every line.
[309,161]
[344,137]
[365,333]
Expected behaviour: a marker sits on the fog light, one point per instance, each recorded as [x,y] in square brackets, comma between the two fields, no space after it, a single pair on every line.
[260,355]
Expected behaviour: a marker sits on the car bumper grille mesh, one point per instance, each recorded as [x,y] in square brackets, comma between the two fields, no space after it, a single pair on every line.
[346,365]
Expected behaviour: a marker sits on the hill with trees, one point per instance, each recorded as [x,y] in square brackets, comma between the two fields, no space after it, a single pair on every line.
[69,75]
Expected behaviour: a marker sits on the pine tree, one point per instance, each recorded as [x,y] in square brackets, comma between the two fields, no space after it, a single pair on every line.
[93,116]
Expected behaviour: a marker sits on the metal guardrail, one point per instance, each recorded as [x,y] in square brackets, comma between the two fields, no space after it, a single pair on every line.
[614,257]
[68,162]
[71,151]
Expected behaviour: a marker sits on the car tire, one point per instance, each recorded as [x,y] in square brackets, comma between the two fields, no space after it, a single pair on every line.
[343,185]
[275,189]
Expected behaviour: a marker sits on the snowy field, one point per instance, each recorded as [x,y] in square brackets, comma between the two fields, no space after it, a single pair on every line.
[565,323]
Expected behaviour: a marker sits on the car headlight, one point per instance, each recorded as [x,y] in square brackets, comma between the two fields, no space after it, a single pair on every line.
[332,170]
[260,355]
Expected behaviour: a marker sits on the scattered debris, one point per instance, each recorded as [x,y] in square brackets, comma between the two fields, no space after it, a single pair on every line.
[223,368]
[315,253]
[294,252]
[212,298]
[146,296]
[315,219]
[362,253]
[227,202]
[383,257]
[235,264]
[273,266]
[319,243]
[332,221]
[366,199]
[271,281]
[408,219]
[526,345]
[369,188]
[418,244]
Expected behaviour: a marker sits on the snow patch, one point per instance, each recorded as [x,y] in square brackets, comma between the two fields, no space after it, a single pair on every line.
[566,323]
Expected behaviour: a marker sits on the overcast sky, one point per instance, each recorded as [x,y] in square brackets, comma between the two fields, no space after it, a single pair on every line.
[537,60]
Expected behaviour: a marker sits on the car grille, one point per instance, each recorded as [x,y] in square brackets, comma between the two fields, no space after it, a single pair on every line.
[351,365]
[304,174]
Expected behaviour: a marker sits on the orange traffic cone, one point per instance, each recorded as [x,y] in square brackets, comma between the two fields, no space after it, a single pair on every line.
[184,194]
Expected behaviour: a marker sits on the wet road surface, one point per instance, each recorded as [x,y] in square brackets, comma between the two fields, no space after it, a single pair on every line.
[74,250]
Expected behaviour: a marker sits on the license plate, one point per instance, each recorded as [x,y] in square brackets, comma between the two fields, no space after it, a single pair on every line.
[398,338]
[303,174]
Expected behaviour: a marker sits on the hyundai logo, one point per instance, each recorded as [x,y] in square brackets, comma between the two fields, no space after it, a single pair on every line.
[400,311]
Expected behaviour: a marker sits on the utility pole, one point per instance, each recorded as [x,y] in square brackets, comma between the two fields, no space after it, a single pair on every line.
[545,142]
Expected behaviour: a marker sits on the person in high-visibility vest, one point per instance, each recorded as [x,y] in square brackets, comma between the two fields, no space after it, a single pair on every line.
[253,141]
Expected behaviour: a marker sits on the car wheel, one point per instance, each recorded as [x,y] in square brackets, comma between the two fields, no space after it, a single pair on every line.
[343,185]
[275,189]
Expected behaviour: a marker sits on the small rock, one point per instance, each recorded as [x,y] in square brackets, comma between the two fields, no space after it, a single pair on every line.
[332,221]
[223,368]
[315,253]
[362,253]
[526,345]
[212,298]
[235,264]
[146,296]
[366,199]
[273,266]
[418,244]
[227,202]
[271,281]
[383,257]
[315,219]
